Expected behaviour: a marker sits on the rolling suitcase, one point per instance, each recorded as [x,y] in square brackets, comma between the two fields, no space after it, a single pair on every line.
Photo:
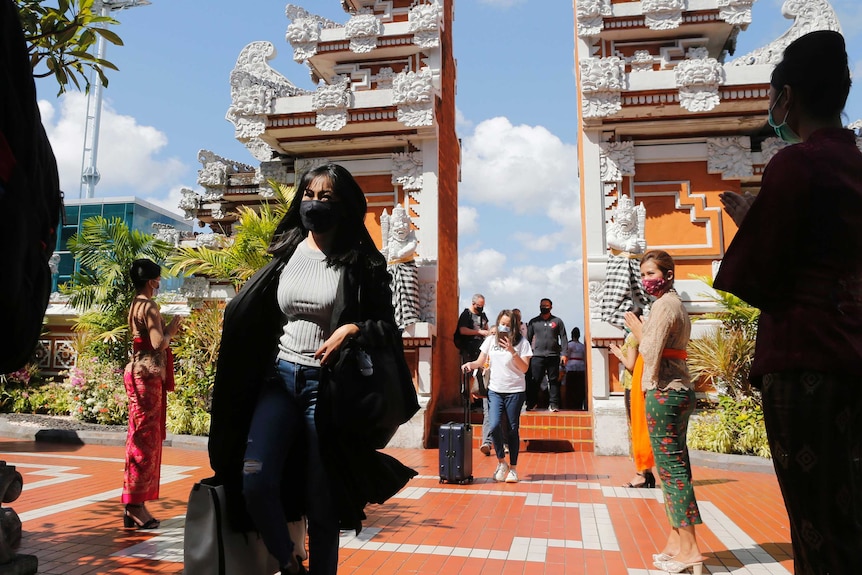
[456,444]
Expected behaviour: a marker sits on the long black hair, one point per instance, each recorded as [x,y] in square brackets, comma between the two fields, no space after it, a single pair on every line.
[351,235]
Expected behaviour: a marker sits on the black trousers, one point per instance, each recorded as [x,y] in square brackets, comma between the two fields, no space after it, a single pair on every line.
[576,390]
[814,425]
[539,367]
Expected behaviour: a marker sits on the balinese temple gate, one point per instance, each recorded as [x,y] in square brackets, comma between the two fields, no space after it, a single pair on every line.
[670,117]
[384,108]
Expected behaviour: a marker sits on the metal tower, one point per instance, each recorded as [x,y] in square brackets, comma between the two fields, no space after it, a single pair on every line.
[89,172]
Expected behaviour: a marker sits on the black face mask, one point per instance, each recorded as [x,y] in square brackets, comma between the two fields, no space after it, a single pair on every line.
[544,310]
[318,216]
[479,308]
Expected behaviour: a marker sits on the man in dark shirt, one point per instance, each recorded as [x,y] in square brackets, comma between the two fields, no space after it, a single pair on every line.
[547,336]
[472,331]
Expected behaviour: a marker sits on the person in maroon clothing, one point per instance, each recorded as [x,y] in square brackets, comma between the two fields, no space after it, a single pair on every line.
[798,257]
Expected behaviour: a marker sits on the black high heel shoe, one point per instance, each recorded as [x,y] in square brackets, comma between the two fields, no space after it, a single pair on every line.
[132,522]
[649,479]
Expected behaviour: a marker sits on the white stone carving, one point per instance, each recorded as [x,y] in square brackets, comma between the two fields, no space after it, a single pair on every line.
[166,233]
[617,160]
[363,30]
[212,241]
[399,249]
[218,212]
[303,32]
[413,93]
[602,81]
[384,78]
[771,146]
[424,22]
[857,127]
[591,15]
[254,87]
[730,156]
[213,175]
[274,170]
[428,301]
[698,78]
[597,294]
[195,287]
[736,12]
[407,170]
[54,263]
[331,102]
[65,355]
[663,14]
[302,165]
[627,230]
[808,16]
[642,61]
[190,202]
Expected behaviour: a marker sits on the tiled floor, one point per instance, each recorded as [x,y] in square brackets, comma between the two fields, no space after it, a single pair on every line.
[567,515]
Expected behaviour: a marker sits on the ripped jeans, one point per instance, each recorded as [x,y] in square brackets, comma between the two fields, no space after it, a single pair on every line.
[285,414]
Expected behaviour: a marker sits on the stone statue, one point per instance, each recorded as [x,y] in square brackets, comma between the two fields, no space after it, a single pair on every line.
[399,249]
[626,243]
[11,484]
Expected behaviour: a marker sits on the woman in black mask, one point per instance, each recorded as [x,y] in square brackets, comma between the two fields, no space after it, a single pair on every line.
[275,442]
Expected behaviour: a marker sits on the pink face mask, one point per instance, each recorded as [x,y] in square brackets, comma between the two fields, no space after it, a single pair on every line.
[655,286]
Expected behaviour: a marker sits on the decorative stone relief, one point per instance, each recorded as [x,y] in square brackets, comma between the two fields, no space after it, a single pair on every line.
[210,240]
[591,15]
[213,175]
[771,146]
[424,22]
[617,160]
[166,233]
[736,12]
[218,213]
[54,263]
[808,16]
[331,102]
[65,355]
[602,81]
[412,92]
[642,61]
[407,170]
[663,14]
[857,127]
[730,157]
[399,249]
[428,301]
[254,87]
[384,78]
[190,202]
[302,165]
[362,30]
[698,79]
[273,170]
[303,32]
[195,287]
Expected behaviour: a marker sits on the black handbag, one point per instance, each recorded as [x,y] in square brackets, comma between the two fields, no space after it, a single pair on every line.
[372,389]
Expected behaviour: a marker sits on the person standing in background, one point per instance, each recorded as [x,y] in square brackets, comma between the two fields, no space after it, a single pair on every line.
[547,336]
[576,373]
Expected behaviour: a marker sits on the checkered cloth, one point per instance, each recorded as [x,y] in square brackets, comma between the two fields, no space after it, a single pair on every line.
[623,290]
[405,293]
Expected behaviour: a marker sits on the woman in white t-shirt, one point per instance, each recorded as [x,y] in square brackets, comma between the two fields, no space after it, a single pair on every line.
[508,354]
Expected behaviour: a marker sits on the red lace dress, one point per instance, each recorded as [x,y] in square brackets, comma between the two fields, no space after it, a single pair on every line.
[148,377]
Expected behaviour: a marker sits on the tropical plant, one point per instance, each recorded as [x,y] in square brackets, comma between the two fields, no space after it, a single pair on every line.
[195,354]
[102,289]
[241,255]
[61,40]
[98,394]
[735,426]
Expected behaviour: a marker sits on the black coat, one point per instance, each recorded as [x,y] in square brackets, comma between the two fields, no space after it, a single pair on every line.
[358,473]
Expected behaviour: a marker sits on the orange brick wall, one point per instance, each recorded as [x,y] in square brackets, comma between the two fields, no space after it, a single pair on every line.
[445,380]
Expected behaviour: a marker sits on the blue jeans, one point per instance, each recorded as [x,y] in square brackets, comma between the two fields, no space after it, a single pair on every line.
[511,404]
[283,416]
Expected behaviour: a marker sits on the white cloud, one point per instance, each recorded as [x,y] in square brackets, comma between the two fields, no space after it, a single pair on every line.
[127,151]
[169,202]
[468,220]
[526,169]
[462,123]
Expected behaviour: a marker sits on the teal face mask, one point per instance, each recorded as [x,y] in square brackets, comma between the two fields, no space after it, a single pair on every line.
[782,130]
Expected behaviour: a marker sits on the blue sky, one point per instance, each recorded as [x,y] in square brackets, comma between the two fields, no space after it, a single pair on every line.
[519,208]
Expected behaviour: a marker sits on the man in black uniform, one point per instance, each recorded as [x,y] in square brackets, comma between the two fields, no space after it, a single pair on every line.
[547,336]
